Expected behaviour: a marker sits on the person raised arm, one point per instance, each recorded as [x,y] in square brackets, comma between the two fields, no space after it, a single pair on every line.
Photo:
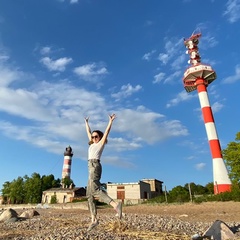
[88,129]
[108,128]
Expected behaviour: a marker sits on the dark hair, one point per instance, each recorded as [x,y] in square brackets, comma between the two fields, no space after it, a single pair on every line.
[100,134]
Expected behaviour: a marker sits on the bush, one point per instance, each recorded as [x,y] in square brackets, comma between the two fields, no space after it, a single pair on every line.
[53,199]
[159,199]
[84,199]
[181,196]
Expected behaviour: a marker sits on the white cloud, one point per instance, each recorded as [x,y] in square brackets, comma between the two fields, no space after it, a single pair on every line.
[24,104]
[181,97]
[56,65]
[159,77]
[121,162]
[164,57]
[126,91]
[148,23]
[70,1]
[4,55]
[3,58]
[73,1]
[92,72]
[171,77]
[50,114]
[8,75]
[207,40]
[191,158]
[200,166]
[172,47]
[213,90]
[177,63]
[45,50]
[217,106]
[121,144]
[211,41]
[232,11]
[142,125]
[148,56]
[234,78]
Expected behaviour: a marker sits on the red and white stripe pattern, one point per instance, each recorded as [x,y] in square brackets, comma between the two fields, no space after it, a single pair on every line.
[66,172]
[221,179]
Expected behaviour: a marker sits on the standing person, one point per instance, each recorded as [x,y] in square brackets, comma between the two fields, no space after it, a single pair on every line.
[97,141]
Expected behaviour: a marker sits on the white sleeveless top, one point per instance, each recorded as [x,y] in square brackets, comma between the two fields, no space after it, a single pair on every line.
[95,150]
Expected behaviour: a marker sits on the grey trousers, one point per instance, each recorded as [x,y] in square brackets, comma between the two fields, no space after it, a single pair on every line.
[94,189]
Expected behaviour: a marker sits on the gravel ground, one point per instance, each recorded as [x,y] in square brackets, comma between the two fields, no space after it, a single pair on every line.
[170,222]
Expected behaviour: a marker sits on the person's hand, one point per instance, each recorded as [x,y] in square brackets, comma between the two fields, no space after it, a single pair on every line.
[112,117]
[86,119]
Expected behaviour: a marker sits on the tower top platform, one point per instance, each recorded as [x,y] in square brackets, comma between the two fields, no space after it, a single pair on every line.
[193,73]
[68,152]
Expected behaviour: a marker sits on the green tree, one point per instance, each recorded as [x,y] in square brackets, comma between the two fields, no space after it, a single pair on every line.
[196,189]
[231,155]
[200,190]
[17,191]
[56,183]
[179,194]
[210,188]
[6,192]
[49,182]
[33,189]
[67,182]
[28,189]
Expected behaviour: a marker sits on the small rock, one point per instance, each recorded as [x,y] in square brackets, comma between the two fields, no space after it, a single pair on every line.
[29,214]
[8,214]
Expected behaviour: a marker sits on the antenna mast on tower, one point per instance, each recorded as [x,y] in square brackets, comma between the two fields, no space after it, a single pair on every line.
[197,77]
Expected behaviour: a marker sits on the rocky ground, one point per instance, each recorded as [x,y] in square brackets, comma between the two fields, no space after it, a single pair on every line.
[165,221]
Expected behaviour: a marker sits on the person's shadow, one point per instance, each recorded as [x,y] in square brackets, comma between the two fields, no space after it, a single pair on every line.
[235,229]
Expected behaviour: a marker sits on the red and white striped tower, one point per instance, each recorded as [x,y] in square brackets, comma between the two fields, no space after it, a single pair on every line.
[197,77]
[66,171]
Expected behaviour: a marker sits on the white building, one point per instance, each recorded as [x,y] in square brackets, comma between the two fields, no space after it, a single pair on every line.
[155,185]
[63,195]
[129,193]
[136,192]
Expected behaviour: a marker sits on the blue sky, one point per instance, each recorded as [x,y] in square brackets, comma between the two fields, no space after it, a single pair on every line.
[63,60]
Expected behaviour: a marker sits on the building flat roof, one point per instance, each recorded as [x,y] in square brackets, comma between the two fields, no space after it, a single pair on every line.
[130,183]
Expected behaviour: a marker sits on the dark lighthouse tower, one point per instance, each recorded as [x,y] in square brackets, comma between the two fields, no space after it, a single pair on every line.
[66,171]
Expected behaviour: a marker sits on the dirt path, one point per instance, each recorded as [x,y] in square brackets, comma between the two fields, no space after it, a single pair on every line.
[141,222]
[204,212]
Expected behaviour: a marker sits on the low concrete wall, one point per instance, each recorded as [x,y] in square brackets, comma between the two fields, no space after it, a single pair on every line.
[78,205]
[17,206]
[133,201]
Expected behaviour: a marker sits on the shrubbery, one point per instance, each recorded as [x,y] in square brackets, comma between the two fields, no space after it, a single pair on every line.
[83,199]
[53,199]
[182,197]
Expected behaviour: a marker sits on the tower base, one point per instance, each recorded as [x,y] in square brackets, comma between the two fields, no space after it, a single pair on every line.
[219,188]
